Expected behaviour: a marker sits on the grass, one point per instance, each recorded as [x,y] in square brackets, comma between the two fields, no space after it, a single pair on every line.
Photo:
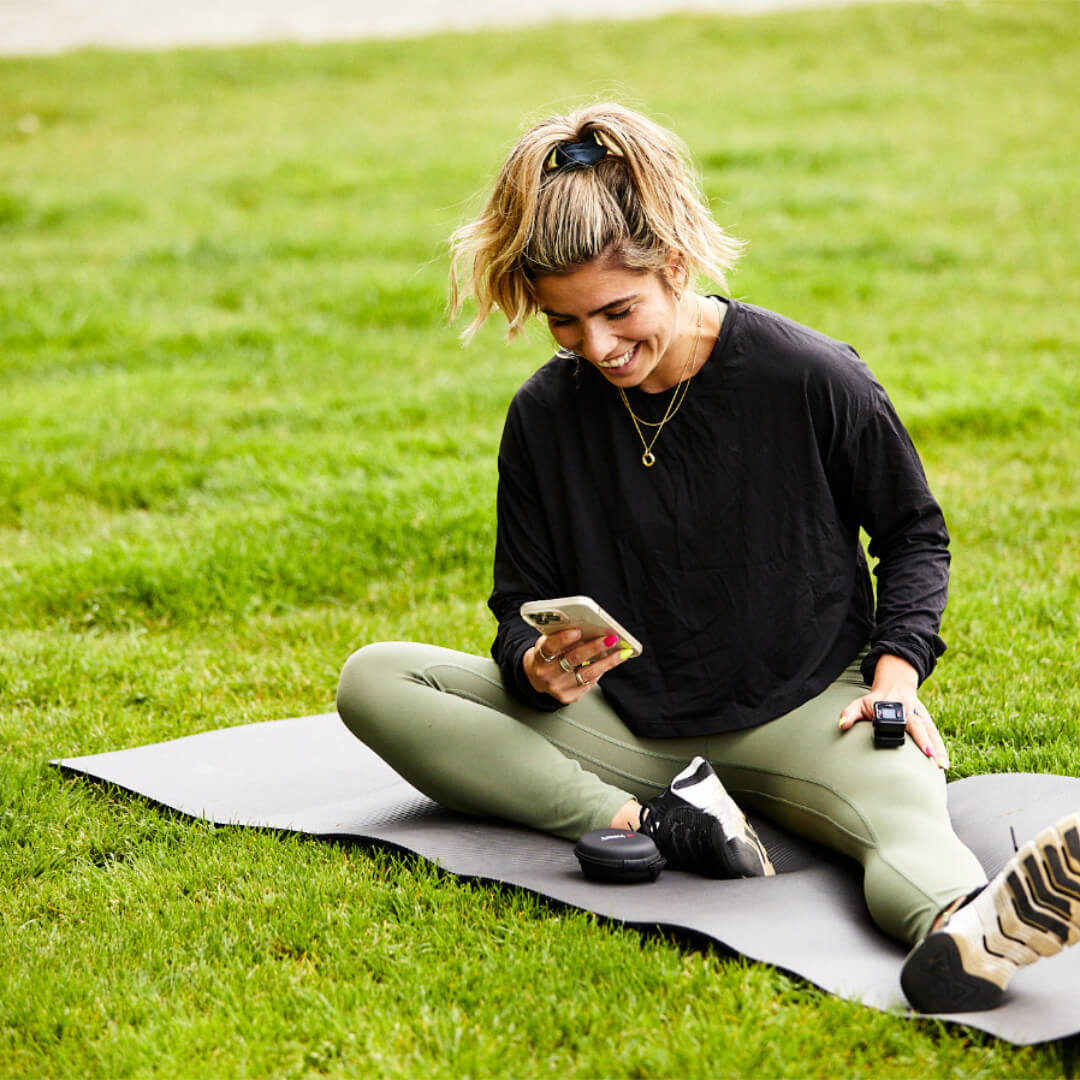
[239,440]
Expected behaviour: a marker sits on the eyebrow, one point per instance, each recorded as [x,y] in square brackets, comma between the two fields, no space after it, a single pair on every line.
[599,311]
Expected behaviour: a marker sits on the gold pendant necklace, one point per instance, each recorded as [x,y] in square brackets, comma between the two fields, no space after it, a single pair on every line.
[682,388]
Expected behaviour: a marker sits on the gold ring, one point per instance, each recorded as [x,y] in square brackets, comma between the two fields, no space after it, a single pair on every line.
[547,659]
[580,680]
[565,665]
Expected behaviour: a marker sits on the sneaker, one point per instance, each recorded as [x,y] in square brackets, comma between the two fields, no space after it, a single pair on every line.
[698,827]
[1030,910]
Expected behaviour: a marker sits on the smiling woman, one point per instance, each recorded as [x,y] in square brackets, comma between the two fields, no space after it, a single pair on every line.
[702,469]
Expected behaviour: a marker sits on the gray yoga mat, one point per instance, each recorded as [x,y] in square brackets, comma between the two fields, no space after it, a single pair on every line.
[309,775]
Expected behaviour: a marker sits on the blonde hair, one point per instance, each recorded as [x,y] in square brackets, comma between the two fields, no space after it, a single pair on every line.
[641,202]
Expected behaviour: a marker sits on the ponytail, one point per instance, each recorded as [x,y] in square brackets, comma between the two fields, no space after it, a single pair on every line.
[602,181]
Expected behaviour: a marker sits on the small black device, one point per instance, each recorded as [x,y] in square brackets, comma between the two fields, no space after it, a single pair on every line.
[890,724]
[618,856]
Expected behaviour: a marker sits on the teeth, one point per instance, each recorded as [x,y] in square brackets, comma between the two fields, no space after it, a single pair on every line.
[618,362]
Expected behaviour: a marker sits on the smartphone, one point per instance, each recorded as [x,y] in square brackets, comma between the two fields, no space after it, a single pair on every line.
[578,613]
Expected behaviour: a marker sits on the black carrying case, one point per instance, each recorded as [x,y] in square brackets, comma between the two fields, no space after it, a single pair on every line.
[618,856]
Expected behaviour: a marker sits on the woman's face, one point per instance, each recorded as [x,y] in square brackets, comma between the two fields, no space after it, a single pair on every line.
[624,322]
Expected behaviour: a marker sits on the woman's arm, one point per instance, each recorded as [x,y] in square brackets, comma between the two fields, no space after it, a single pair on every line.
[525,564]
[881,486]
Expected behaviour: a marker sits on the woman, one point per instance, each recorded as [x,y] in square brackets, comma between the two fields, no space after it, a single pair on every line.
[702,468]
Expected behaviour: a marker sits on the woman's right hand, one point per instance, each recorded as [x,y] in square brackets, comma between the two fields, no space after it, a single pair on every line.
[566,667]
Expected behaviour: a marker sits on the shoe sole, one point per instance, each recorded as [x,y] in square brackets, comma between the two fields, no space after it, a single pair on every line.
[746,856]
[1030,910]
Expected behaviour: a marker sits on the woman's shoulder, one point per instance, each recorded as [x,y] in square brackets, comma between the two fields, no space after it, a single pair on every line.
[786,337]
[776,349]
[551,386]
[779,363]
[548,406]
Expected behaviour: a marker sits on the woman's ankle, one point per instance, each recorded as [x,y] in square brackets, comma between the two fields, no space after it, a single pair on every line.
[628,816]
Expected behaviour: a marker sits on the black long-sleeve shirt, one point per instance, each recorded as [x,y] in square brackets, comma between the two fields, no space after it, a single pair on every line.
[736,558]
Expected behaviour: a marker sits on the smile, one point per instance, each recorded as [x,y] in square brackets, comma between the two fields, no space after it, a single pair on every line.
[619,361]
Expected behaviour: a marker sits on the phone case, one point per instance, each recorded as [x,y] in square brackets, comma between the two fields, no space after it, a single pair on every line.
[580,613]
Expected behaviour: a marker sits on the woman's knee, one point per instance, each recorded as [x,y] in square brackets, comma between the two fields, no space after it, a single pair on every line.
[362,683]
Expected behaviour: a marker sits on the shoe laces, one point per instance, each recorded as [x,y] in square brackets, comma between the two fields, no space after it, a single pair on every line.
[683,835]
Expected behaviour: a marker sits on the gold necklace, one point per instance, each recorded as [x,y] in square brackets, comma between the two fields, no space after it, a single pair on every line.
[682,388]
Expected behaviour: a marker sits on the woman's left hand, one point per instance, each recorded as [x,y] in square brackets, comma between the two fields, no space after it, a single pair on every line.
[896,680]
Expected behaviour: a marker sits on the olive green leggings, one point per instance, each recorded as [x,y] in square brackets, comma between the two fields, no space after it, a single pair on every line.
[445,722]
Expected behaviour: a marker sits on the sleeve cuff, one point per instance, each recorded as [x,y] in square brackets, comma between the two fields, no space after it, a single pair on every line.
[513,675]
[922,655]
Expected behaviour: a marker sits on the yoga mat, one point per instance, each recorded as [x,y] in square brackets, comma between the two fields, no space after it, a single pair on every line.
[310,775]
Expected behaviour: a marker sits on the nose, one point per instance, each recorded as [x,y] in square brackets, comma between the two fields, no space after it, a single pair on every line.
[597,342]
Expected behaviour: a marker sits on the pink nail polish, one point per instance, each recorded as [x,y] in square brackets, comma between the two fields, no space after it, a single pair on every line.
[610,640]
[928,750]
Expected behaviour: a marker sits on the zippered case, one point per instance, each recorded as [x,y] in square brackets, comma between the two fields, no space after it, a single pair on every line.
[618,856]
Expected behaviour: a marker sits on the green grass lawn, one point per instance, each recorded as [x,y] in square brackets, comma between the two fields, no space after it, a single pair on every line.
[238,439]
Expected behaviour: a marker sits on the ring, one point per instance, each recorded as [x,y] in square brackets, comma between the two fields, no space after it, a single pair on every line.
[580,680]
[565,665]
[543,656]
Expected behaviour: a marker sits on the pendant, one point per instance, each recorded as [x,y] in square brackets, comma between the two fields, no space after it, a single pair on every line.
[648,460]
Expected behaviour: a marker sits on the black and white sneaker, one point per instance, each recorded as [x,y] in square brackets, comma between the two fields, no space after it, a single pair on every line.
[698,827]
[1029,910]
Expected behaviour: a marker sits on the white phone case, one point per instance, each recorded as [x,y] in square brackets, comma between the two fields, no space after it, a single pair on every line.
[578,613]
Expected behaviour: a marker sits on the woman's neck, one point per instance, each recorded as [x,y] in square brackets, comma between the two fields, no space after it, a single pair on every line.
[694,344]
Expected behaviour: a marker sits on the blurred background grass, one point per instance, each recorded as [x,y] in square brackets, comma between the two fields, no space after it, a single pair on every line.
[239,440]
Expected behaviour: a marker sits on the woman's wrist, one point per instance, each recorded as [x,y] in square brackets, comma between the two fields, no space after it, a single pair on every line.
[894,672]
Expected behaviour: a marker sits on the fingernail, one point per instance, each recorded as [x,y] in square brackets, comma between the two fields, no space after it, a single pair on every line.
[610,640]
[626,653]
[928,750]
[841,724]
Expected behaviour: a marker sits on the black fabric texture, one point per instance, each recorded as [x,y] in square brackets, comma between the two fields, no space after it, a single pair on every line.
[736,559]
